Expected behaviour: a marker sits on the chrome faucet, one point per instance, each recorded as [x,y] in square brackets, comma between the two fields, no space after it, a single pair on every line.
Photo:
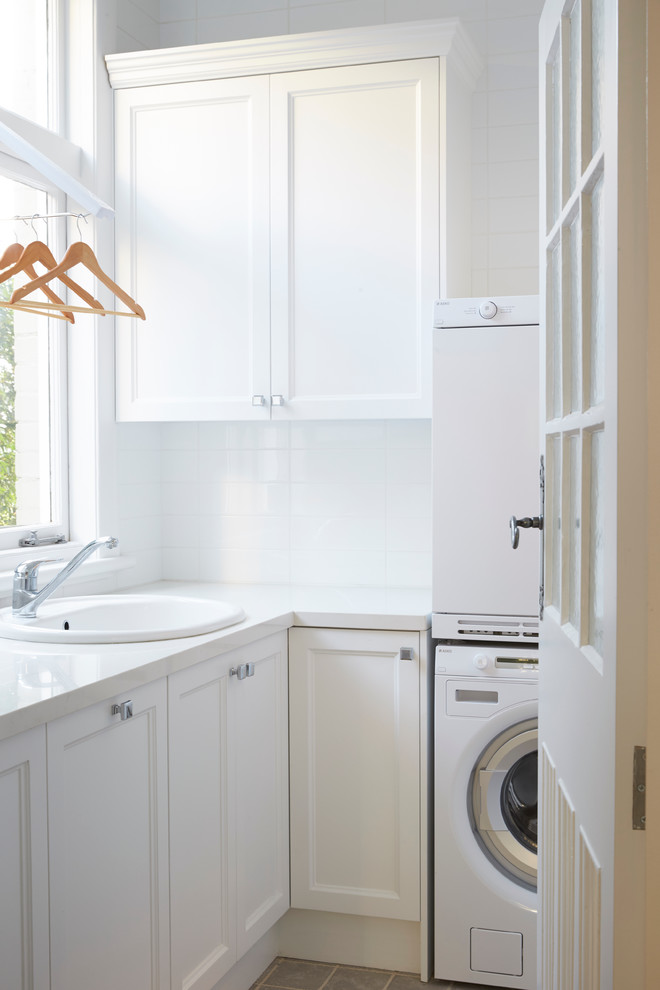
[25,597]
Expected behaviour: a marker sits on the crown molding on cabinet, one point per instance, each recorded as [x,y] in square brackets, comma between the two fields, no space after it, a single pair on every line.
[285,53]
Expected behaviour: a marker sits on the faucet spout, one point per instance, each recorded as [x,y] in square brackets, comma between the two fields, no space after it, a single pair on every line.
[25,597]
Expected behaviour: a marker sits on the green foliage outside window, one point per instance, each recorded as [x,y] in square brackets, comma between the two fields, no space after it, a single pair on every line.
[7,412]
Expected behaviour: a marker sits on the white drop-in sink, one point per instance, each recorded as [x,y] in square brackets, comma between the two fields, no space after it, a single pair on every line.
[120,619]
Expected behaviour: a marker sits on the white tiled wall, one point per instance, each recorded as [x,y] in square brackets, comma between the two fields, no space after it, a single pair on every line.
[329,503]
[310,503]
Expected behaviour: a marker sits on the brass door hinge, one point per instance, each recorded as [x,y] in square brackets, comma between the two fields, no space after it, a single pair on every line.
[639,788]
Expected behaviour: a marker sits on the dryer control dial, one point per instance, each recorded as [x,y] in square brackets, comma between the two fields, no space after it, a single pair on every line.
[480,661]
[487,309]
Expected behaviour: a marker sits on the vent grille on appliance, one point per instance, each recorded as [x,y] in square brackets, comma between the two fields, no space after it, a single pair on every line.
[510,629]
[521,630]
[476,627]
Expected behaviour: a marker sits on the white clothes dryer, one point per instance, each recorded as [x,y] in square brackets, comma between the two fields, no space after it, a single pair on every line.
[486,738]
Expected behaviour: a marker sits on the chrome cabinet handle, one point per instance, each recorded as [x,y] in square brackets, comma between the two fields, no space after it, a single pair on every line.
[527,522]
[124,710]
[242,671]
[258,400]
[277,400]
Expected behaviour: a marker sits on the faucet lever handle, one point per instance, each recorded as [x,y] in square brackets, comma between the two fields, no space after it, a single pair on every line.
[25,575]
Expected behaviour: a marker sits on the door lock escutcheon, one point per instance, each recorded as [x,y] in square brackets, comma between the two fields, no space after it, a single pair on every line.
[527,522]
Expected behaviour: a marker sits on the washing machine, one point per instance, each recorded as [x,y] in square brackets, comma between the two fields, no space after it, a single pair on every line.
[485,828]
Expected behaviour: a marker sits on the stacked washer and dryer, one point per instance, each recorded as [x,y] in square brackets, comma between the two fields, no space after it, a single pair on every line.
[485,623]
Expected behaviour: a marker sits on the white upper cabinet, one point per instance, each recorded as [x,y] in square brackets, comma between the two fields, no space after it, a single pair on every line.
[287,232]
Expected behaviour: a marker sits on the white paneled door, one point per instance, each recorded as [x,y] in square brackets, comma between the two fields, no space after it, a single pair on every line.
[593,636]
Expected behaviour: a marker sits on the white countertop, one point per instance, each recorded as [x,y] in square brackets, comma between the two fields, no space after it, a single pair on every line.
[40,682]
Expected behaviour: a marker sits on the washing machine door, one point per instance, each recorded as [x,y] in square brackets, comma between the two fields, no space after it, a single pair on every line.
[503,801]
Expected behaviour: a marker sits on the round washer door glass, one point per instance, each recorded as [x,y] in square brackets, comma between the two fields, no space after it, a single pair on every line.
[503,801]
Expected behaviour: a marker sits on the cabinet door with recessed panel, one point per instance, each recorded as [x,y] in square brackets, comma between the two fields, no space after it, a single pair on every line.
[355,771]
[355,239]
[192,248]
[108,844]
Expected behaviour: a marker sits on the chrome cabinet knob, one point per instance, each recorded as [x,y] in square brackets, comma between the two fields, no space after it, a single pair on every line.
[527,522]
[277,400]
[124,710]
[258,400]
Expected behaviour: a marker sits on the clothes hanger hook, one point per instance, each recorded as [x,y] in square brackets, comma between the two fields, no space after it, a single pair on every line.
[79,217]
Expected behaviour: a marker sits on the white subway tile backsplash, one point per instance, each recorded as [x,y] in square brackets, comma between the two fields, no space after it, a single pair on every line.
[181,564]
[509,107]
[238,26]
[361,466]
[244,499]
[349,434]
[513,34]
[342,499]
[513,71]
[509,179]
[257,436]
[409,500]
[337,14]
[139,436]
[257,466]
[409,433]
[408,534]
[410,466]
[138,500]
[412,10]
[511,144]
[342,533]
[339,567]
[515,214]
[513,281]
[179,436]
[138,466]
[222,8]
[181,531]
[244,566]
[244,532]
[514,250]
[181,468]
[142,533]
[177,34]
[177,10]
[180,499]
[408,570]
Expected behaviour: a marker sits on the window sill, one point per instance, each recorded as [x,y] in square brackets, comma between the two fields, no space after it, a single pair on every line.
[90,570]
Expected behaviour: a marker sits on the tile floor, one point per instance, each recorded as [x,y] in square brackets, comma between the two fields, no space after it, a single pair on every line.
[297,974]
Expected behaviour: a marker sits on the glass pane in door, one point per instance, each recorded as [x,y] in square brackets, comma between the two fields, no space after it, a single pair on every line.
[574,94]
[597,48]
[573,529]
[597,298]
[596,575]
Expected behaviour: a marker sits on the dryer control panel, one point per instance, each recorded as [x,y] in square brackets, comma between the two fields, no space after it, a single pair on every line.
[489,661]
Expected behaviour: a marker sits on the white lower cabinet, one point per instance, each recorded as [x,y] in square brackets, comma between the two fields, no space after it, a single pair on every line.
[23,862]
[107,815]
[355,772]
[229,868]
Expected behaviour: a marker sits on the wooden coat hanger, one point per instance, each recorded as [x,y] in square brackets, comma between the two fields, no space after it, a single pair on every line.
[80,253]
[13,254]
[39,251]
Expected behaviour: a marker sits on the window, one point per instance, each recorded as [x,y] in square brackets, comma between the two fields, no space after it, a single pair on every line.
[32,347]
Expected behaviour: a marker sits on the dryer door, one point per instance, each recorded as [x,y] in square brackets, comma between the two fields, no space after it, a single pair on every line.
[502,801]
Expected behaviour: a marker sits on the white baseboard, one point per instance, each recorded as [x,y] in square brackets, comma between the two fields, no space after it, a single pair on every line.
[350,939]
[255,962]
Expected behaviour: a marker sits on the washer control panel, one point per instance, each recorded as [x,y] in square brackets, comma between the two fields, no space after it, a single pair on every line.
[500,311]
[490,661]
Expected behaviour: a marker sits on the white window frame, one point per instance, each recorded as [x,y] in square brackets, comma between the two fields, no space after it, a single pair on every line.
[46,159]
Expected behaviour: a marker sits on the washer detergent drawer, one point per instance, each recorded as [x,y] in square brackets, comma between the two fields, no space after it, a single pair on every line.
[482,698]
[496,952]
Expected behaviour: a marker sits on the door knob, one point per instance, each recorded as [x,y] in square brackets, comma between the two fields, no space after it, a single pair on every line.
[527,522]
